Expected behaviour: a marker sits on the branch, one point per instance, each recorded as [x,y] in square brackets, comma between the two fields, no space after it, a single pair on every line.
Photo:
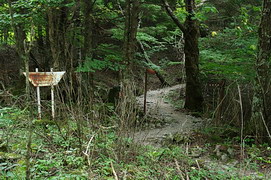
[173,17]
[147,59]
[114,172]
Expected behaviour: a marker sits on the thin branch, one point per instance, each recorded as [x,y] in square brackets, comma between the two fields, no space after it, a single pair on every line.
[114,172]
[121,10]
[173,17]
[242,122]
[87,149]
[179,169]
[147,59]
[265,125]
[197,163]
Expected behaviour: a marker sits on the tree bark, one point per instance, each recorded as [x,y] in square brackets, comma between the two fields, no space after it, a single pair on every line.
[87,8]
[126,104]
[87,50]
[19,34]
[190,29]
[53,23]
[262,98]
[193,97]
[57,21]
[130,32]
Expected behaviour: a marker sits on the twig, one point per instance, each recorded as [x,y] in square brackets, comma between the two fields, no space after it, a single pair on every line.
[48,140]
[187,149]
[265,125]
[3,86]
[197,163]
[87,150]
[187,176]
[114,172]
[220,103]
[121,10]
[242,122]
[178,169]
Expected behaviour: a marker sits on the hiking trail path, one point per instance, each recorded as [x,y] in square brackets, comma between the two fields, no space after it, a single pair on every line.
[178,122]
[159,108]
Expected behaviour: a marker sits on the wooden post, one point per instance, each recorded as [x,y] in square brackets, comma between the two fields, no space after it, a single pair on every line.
[38,98]
[53,99]
[145,91]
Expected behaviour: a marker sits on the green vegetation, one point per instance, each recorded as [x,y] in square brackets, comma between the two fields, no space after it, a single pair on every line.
[216,49]
[55,156]
[233,59]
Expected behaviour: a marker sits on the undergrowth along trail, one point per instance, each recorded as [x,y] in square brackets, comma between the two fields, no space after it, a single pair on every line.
[225,165]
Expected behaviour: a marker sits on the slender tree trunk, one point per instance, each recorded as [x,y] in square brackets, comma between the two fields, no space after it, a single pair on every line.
[53,23]
[87,50]
[87,8]
[27,50]
[41,48]
[5,34]
[23,50]
[48,57]
[74,44]
[57,21]
[262,98]
[125,107]
[19,34]
[130,32]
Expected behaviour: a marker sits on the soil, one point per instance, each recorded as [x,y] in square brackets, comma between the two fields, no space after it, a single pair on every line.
[181,128]
[160,109]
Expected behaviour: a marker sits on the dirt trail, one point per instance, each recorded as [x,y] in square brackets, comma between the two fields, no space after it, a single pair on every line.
[160,109]
[180,123]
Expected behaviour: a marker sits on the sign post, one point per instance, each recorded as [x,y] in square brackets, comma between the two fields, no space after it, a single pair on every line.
[42,79]
[53,99]
[38,98]
[145,92]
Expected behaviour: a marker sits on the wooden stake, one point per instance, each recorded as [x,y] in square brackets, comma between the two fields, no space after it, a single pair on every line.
[145,91]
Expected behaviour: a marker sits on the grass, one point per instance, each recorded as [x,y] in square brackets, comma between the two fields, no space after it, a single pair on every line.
[55,157]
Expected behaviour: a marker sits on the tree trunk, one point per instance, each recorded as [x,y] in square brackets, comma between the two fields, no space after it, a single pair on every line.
[193,97]
[131,26]
[262,98]
[19,34]
[126,103]
[87,50]
[53,23]
[57,21]
[6,36]
[87,7]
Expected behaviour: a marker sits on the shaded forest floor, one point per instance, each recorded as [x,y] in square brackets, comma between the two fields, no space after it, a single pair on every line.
[169,126]
[171,145]
[166,120]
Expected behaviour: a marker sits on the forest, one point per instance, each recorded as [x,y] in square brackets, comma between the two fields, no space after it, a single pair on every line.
[135,89]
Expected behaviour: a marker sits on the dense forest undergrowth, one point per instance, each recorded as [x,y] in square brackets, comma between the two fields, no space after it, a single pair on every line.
[65,149]
[204,63]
